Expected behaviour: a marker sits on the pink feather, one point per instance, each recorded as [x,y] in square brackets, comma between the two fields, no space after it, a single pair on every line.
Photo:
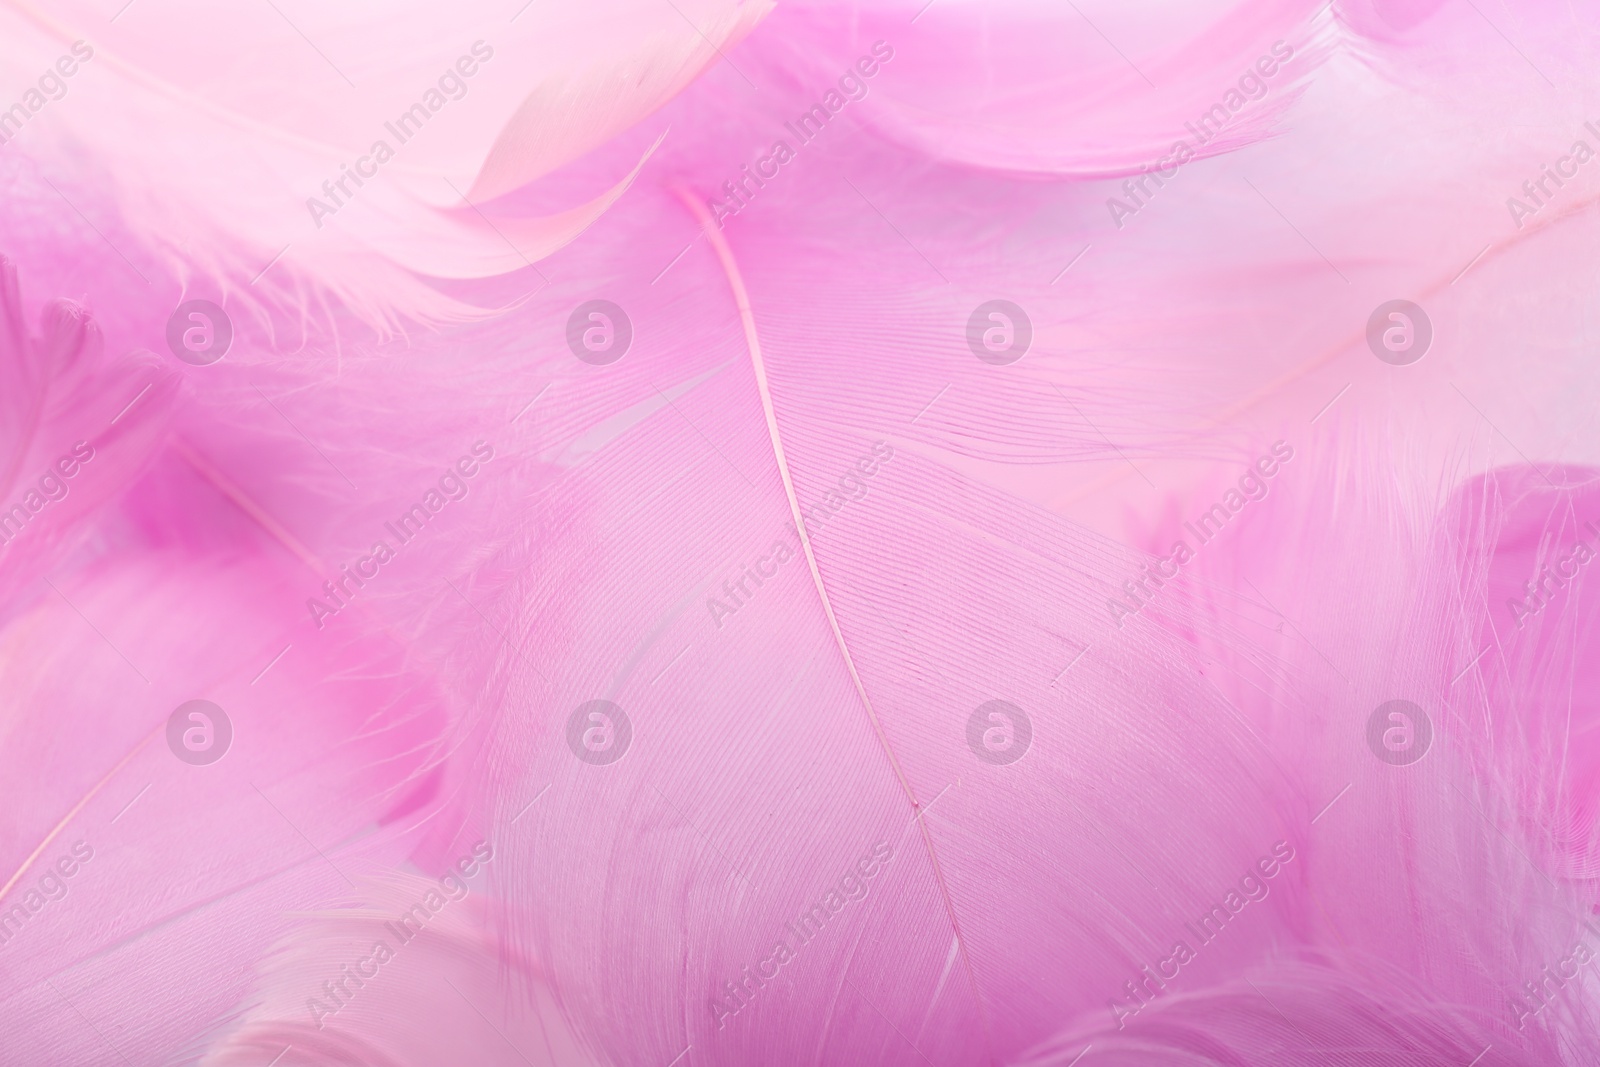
[798,535]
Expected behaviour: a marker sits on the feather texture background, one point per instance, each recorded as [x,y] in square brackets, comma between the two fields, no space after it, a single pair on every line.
[805,533]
